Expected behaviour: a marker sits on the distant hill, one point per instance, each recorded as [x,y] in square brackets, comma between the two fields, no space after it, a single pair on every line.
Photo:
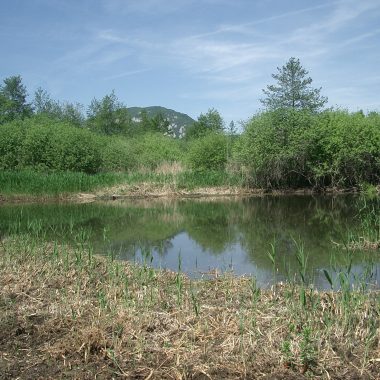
[178,121]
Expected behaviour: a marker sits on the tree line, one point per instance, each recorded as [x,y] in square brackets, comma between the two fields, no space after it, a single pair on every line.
[106,116]
[294,141]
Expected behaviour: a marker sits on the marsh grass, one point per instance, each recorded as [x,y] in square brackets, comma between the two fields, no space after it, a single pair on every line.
[368,236]
[66,312]
[28,182]
[60,184]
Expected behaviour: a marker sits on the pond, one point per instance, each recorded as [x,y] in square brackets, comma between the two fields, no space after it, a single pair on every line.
[274,238]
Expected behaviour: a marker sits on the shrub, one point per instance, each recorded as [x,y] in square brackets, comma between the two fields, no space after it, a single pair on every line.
[152,149]
[299,148]
[42,143]
[11,139]
[118,154]
[274,148]
[74,149]
[208,152]
[347,150]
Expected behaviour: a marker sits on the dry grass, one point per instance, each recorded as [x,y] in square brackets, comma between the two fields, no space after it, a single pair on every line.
[168,190]
[364,244]
[360,244]
[67,314]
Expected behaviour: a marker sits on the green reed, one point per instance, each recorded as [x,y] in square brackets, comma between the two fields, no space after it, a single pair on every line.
[27,182]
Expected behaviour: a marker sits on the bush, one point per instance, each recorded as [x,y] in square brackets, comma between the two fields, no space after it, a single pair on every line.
[76,150]
[11,145]
[208,152]
[118,155]
[274,149]
[347,150]
[152,149]
[41,143]
[37,149]
[287,148]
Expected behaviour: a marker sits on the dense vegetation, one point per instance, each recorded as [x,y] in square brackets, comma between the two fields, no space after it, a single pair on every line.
[288,148]
[293,143]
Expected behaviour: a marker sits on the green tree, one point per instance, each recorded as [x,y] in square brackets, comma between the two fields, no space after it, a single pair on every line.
[160,124]
[73,113]
[13,104]
[155,123]
[108,116]
[231,133]
[145,121]
[206,123]
[293,89]
[43,104]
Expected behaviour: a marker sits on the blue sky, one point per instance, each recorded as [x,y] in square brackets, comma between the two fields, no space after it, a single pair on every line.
[191,55]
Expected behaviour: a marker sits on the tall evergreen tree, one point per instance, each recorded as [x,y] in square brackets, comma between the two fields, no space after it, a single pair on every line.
[293,89]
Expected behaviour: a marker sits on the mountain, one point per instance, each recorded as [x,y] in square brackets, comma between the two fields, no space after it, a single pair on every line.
[178,121]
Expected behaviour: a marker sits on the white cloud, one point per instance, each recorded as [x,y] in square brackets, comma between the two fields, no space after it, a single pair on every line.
[344,14]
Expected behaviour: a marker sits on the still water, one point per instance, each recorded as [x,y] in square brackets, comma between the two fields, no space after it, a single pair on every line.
[204,236]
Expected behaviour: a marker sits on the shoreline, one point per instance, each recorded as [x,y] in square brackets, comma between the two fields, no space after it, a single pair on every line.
[159,191]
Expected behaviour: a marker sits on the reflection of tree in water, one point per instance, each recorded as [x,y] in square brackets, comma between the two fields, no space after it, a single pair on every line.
[314,221]
[127,250]
[253,223]
[210,223]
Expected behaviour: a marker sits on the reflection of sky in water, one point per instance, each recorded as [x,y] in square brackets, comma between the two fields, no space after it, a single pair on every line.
[197,261]
[182,250]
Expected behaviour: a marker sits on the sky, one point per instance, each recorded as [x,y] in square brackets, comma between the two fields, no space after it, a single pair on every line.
[191,55]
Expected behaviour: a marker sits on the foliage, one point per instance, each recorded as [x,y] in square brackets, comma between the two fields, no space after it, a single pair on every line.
[11,145]
[108,116]
[41,143]
[118,154]
[274,148]
[160,124]
[68,112]
[47,144]
[289,145]
[208,152]
[13,104]
[152,149]
[299,148]
[206,123]
[75,150]
[150,124]
[346,149]
[293,89]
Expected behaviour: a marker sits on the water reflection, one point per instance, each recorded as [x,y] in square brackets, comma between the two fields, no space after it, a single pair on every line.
[232,234]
